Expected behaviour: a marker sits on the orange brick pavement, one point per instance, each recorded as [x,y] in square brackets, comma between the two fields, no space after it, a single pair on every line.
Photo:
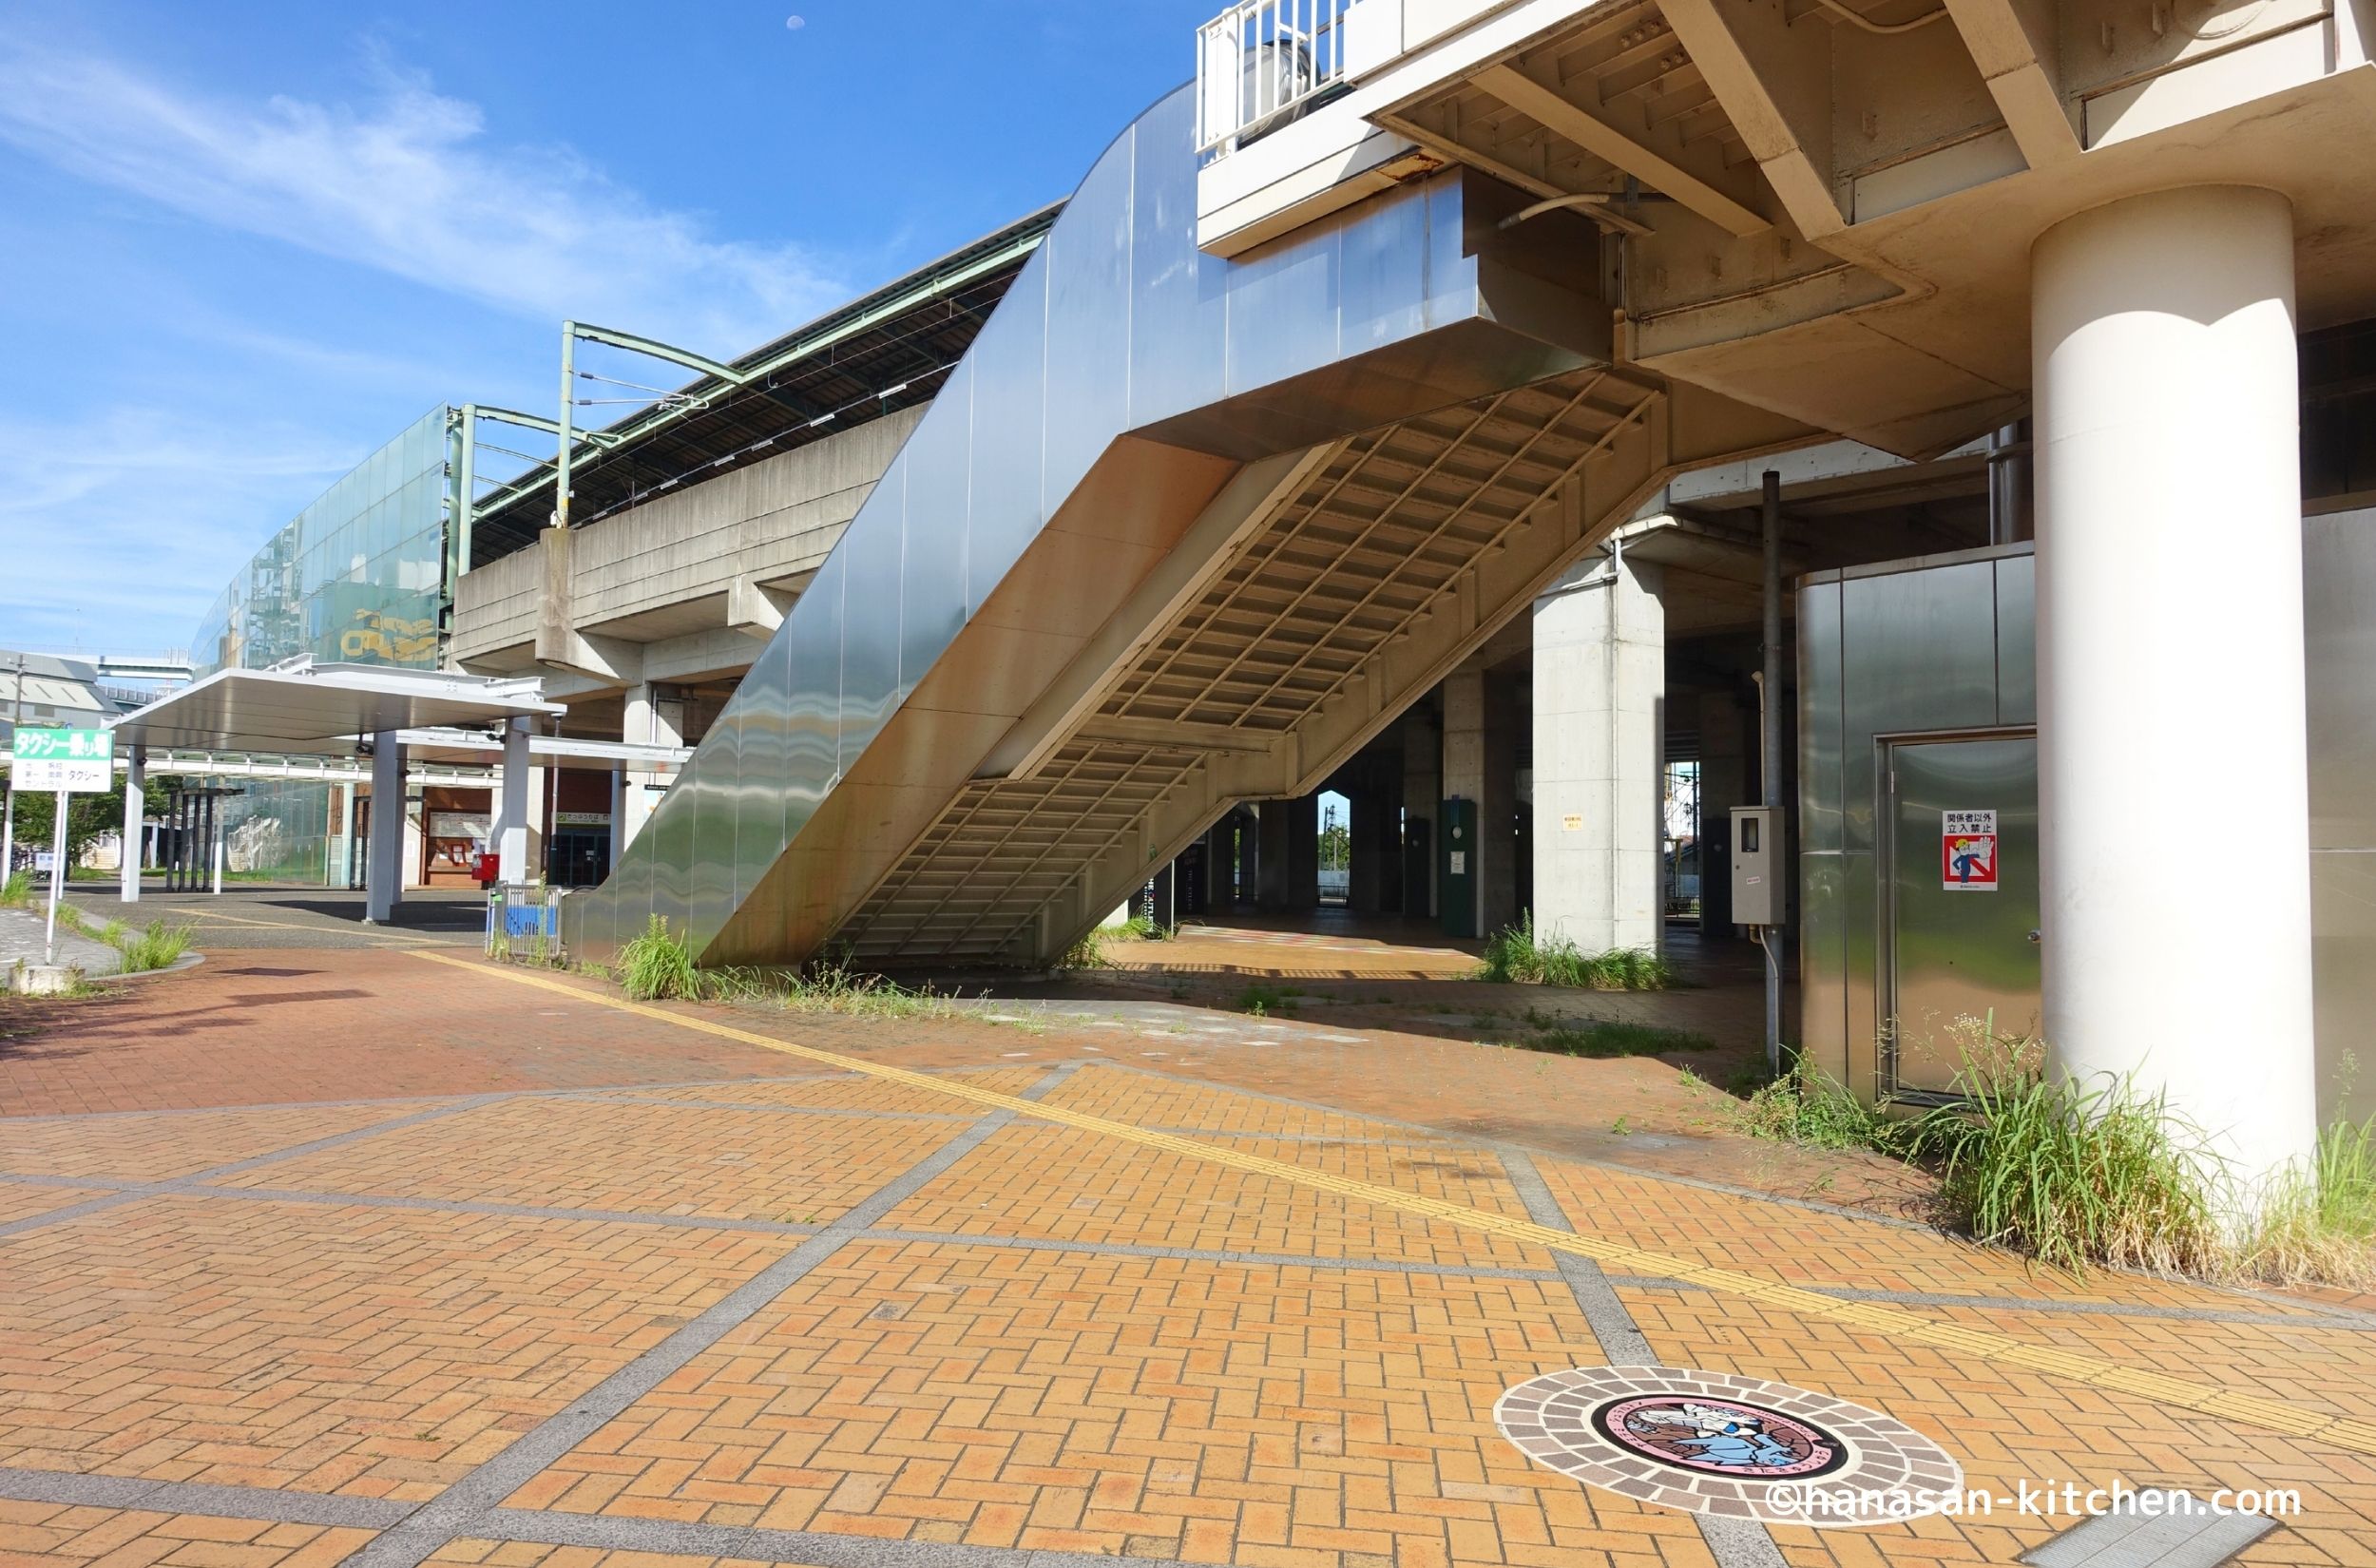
[1083,1358]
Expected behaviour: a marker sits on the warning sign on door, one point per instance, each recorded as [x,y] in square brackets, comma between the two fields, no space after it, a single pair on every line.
[1968,851]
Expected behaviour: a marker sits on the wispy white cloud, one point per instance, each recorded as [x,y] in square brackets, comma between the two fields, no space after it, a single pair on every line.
[122,527]
[407,181]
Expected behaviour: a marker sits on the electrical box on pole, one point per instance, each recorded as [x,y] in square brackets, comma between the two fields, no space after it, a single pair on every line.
[1757,863]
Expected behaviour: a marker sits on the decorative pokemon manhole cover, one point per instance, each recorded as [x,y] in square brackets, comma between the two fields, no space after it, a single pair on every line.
[1714,1444]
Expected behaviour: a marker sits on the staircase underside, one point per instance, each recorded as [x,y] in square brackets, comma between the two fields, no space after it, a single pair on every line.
[1377,541]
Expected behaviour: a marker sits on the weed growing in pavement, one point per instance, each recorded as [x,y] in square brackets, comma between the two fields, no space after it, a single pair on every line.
[156,946]
[1262,1001]
[2069,1170]
[2318,1223]
[1622,1125]
[829,985]
[1804,1107]
[1515,954]
[2078,1171]
[1602,1038]
[1087,953]
[656,965]
[16,890]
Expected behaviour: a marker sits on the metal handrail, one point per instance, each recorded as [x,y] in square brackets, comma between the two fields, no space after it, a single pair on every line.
[1259,60]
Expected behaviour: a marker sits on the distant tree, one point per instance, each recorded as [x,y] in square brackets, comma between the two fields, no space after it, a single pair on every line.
[87,818]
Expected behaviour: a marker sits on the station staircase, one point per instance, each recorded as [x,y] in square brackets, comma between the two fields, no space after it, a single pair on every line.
[1177,532]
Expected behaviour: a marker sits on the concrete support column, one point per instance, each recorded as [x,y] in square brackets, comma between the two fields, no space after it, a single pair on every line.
[1370,857]
[652,717]
[128,855]
[1463,776]
[1480,764]
[1599,715]
[2172,785]
[1288,857]
[1423,797]
[383,877]
[512,805]
[618,793]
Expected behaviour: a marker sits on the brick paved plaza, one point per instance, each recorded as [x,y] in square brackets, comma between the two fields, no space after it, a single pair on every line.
[384,1256]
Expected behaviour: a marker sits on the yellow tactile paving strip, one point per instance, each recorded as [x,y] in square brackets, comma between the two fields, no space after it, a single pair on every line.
[2008,1426]
[1106,1192]
[1898,1327]
[852,1092]
[1182,1103]
[1824,1249]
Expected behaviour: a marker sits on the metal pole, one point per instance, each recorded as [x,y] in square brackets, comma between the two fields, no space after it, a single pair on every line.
[1770,741]
[128,856]
[214,835]
[568,408]
[465,492]
[57,876]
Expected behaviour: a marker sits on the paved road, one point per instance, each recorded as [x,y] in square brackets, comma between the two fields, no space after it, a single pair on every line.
[249,916]
[391,1257]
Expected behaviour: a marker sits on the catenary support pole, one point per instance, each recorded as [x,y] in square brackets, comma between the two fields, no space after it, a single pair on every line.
[383,875]
[8,811]
[569,411]
[1769,740]
[2176,939]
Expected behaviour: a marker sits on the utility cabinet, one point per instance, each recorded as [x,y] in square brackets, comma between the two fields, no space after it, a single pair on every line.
[1757,866]
[1457,872]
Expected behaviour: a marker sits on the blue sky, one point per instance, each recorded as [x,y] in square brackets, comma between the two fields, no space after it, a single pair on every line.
[244,244]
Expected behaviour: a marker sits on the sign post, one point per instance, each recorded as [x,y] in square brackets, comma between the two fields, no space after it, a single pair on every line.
[68,762]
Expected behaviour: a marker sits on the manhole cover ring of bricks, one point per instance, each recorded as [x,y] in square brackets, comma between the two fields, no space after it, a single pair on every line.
[1709,1442]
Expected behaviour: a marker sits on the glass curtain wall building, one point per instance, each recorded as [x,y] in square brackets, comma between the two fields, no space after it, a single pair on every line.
[359,576]
[356,578]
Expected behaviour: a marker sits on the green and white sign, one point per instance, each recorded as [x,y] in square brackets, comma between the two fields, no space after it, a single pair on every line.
[74,761]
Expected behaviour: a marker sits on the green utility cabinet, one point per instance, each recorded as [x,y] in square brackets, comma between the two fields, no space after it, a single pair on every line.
[1457,869]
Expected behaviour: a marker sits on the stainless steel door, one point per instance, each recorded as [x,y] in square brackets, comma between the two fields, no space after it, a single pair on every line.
[1963,900]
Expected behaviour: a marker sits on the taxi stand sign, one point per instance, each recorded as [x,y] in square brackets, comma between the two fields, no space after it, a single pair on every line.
[65,762]
[62,761]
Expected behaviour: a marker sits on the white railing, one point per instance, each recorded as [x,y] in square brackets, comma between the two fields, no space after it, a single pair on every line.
[1260,60]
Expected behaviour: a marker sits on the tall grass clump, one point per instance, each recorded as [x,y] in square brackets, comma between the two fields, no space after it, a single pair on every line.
[2318,1223]
[2073,1172]
[156,946]
[1087,953]
[16,890]
[656,965]
[1516,954]
[1814,1111]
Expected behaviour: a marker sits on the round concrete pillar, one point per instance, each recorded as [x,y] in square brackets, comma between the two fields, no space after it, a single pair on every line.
[2171,771]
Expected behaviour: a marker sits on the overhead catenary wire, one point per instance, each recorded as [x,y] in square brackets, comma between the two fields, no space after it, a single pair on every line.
[967,305]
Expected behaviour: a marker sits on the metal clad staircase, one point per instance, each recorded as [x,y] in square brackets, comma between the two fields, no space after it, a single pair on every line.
[1178,532]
